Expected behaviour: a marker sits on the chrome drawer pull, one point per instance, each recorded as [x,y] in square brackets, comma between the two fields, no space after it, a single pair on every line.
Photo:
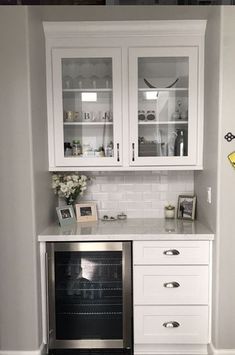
[171,252]
[173,284]
[171,324]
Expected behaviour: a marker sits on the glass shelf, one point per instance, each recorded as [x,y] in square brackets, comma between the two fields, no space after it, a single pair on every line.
[162,123]
[162,89]
[89,90]
[87,123]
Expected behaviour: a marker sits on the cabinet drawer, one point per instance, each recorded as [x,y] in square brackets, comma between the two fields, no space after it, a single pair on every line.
[171,324]
[171,252]
[170,284]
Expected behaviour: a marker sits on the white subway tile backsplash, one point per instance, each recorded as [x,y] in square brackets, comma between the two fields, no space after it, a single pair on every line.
[142,187]
[134,205]
[116,196]
[109,205]
[125,187]
[134,196]
[138,194]
[149,196]
[153,213]
[100,196]
[109,188]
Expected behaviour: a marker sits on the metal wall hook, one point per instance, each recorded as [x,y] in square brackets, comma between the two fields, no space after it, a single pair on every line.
[229,137]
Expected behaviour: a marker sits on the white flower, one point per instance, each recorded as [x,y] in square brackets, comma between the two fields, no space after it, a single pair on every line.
[66,185]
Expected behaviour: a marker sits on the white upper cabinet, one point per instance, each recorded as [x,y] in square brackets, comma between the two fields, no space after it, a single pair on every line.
[125,95]
[86,106]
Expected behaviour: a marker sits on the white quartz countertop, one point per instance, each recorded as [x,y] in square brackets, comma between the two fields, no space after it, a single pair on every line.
[130,229]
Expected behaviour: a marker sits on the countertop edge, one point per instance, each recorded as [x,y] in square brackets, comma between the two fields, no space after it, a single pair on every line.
[125,237]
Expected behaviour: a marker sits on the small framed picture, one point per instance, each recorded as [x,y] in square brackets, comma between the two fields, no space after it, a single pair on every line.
[86,212]
[66,215]
[186,207]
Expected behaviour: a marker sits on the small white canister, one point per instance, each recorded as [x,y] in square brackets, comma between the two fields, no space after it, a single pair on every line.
[169,212]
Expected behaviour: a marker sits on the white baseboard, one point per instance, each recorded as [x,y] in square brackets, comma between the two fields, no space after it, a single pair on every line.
[213,351]
[40,351]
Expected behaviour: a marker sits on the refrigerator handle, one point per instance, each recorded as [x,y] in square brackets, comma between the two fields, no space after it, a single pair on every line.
[127,295]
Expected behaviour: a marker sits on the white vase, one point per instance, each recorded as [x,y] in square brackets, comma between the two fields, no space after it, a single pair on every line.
[170,213]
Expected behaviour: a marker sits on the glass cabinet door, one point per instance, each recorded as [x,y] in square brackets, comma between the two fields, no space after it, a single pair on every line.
[87,115]
[163,109]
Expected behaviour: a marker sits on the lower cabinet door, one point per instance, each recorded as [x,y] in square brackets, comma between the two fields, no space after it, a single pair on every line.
[171,325]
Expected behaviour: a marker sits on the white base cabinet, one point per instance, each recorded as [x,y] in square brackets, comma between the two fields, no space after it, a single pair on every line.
[171,296]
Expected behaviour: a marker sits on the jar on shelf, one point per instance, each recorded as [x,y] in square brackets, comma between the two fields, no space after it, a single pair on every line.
[67,82]
[151,115]
[77,148]
[141,115]
[67,149]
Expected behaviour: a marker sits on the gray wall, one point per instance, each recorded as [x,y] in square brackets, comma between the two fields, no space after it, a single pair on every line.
[26,198]
[44,199]
[226,192]
[218,173]
[122,13]
[27,202]
[207,213]
[18,291]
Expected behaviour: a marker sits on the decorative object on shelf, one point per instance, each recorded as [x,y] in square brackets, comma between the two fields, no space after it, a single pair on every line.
[78,82]
[151,115]
[109,149]
[154,87]
[184,115]
[86,212]
[171,144]
[77,148]
[106,218]
[67,82]
[179,114]
[65,215]
[67,149]
[100,152]
[180,146]
[169,211]
[186,207]
[87,150]
[122,216]
[231,158]
[229,137]
[69,186]
[175,116]
[141,115]
[69,116]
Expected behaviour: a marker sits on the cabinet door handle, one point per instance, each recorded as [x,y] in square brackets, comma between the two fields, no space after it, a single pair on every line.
[171,324]
[118,153]
[133,151]
[172,284]
[171,252]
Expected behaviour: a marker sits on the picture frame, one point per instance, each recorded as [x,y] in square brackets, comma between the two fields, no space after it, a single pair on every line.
[86,212]
[66,215]
[186,207]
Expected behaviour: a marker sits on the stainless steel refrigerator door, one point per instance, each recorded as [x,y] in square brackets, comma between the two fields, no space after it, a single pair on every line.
[126,341]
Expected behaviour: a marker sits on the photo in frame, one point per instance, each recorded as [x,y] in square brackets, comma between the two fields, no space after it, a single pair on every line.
[86,212]
[186,207]
[66,215]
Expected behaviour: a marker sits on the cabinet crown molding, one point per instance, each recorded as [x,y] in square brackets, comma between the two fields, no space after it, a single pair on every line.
[129,28]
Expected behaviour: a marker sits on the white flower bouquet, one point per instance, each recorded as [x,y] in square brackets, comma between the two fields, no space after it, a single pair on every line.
[69,186]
